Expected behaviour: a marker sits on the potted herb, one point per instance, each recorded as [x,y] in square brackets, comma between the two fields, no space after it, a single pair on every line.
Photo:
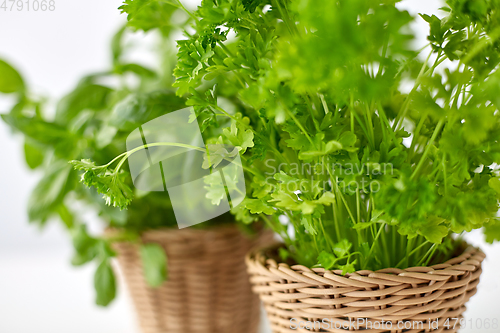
[206,288]
[368,157]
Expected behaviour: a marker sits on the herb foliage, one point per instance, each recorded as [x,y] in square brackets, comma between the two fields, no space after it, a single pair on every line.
[319,98]
[93,121]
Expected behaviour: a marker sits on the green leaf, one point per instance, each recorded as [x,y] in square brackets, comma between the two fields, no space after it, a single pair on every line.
[307,222]
[34,156]
[216,154]
[239,136]
[492,231]
[326,199]
[242,214]
[251,5]
[105,136]
[154,262]
[363,225]
[136,69]
[342,248]
[192,64]
[256,206]
[40,131]
[494,183]
[117,44]
[111,184]
[349,267]
[104,283]
[216,191]
[149,14]
[347,140]
[66,216]
[326,260]
[10,80]
[50,192]
[290,201]
[309,187]
[332,146]
[138,108]
[86,96]
[434,231]
[85,246]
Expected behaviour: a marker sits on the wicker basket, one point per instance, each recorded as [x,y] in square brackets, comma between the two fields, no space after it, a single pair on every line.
[319,300]
[207,289]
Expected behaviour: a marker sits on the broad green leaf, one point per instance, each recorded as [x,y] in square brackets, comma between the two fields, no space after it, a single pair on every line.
[137,69]
[10,80]
[138,108]
[34,155]
[40,131]
[86,96]
[85,246]
[154,263]
[105,136]
[104,283]
[117,44]
[50,191]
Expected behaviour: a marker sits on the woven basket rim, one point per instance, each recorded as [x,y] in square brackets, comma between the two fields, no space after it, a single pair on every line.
[258,257]
[184,232]
[416,293]
[229,227]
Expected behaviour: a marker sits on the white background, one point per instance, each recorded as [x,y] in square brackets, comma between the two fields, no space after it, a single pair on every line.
[39,290]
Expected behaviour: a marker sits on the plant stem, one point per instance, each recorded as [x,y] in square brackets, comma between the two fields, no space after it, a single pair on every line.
[413,252]
[428,147]
[422,260]
[374,242]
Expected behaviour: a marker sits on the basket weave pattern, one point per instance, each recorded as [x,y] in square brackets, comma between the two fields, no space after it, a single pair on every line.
[392,295]
[207,289]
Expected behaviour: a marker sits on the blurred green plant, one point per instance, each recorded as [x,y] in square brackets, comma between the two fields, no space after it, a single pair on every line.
[93,121]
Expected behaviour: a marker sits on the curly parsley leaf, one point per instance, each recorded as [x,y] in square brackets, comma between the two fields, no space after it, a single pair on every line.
[110,183]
